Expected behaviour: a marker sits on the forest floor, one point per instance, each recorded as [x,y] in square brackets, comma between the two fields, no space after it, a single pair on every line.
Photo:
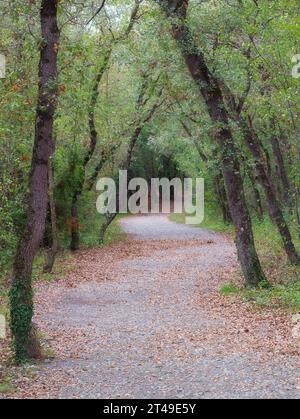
[144,318]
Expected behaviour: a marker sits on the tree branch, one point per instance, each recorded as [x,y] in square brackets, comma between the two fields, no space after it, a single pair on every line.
[96,14]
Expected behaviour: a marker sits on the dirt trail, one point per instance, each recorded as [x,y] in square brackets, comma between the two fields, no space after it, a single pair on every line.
[144,319]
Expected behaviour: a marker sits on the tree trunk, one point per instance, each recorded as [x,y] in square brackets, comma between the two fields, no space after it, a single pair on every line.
[21,301]
[211,92]
[52,251]
[273,204]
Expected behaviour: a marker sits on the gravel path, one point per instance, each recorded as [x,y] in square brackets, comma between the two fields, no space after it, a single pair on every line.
[144,319]
[158,227]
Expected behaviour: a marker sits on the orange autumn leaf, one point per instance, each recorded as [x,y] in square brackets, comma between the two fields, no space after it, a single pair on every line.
[16,88]
[62,88]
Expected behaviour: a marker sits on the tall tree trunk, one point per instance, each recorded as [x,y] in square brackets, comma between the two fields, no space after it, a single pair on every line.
[21,301]
[52,251]
[273,204]
[211,92]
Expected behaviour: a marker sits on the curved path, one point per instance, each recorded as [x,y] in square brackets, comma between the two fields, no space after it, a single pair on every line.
[144,319]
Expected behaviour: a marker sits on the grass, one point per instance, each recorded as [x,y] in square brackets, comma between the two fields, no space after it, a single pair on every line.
[284,278]
[6,386]
[230,289]
[114,233]
[212,221]
[276,296]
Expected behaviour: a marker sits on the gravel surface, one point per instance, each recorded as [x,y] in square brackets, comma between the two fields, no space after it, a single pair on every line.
[145,319]
[158,227]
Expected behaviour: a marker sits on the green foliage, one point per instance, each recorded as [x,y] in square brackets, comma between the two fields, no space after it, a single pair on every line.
[287,296]
[21,313]
[114,233]
[278,296]
[223,31]
[229,289]
[241,41]
[6,386]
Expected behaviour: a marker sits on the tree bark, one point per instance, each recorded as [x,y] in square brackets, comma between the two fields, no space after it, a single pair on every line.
[21,299]
[211,92]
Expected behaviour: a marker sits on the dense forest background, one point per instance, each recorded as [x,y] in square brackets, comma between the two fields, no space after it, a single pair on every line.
[126,100]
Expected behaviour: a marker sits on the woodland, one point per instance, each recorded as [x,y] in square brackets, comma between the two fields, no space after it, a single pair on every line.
[161,88]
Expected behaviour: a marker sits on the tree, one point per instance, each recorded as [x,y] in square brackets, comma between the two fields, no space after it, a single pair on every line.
[211,92]
[74,244]
[21,296]
[143,115]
